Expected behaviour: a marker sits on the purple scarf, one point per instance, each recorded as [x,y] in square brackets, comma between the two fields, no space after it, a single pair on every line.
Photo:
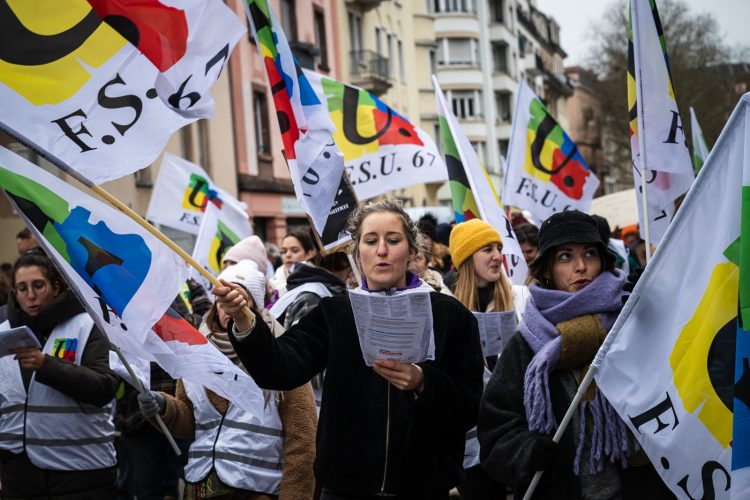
[544,310]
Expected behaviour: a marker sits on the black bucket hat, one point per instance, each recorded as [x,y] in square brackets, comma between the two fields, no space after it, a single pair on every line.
[570,226]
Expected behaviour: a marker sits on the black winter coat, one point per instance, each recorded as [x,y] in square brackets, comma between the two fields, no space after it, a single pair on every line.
[505,439]
[372,437]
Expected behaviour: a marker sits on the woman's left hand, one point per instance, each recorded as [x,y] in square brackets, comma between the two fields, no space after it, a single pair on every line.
[29,357]
[403,376]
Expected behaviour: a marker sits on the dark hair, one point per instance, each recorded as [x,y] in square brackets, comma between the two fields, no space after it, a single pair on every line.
[303,236]
[4,288]
[36,257]
[334,262]
[24,234]
[527,233]
[543,265]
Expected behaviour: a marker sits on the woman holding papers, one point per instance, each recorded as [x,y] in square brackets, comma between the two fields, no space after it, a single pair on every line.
[575,299]
[394,429]
[233,456]
[481,286]
[56,428]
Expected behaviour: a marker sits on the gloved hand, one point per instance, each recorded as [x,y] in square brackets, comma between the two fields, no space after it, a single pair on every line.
[151,403]
[630,283]
[541,453]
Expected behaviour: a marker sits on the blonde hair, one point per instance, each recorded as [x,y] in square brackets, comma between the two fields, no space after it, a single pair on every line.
[388,205]
[466,290]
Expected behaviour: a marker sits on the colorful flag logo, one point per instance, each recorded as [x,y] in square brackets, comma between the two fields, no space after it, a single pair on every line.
[198,194]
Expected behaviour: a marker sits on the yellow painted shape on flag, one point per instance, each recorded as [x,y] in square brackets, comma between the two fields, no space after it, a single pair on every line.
[689,358]
[365,127]
[545,157]
[632,102]
[213,252]
[54,82]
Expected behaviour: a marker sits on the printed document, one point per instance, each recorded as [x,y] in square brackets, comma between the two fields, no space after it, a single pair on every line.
[17,338]
[495,330]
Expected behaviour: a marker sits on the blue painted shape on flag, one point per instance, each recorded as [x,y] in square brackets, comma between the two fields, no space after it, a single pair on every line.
[741,430]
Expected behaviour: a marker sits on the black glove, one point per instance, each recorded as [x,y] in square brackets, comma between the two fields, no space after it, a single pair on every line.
[630,283]
[151,403]
[541,453]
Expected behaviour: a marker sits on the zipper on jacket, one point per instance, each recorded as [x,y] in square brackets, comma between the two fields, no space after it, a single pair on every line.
[216,440]
[387,436]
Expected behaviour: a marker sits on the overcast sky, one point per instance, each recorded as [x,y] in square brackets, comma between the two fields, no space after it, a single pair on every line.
[575,18]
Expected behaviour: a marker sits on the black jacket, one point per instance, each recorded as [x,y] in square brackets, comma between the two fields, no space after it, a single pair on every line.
[371,436]
[306,301]
[505,439]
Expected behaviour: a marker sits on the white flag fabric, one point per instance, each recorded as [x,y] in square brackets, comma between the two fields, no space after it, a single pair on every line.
[700,147]
[76,88]
[382,150]
[182,192]
[675,364]
[545,172]
[655,121]
[216,236]
[125,278]
[316,164]
[472,192]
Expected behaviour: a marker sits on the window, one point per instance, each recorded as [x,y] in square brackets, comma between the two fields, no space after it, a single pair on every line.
[466,103]
[432,62]
[500,57]
[320,39]
[438,138]
[461,6]
[289,19]
[262,130]
[389,44]
[458,51]
[521,46]
[502,102]
[378,42]
[497,10]
[502,149]
[401,68]
[355,31]
[250,36]
[479,148]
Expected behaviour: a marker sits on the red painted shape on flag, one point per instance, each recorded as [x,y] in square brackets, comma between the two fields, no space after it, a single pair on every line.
[284,112]
[571,178]
[159,31]
[171,326]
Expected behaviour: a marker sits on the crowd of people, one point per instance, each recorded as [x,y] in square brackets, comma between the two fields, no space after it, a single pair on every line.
[467,423]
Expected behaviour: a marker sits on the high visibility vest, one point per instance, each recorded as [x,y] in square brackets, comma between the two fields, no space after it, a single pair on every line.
[56,431]
[246,454]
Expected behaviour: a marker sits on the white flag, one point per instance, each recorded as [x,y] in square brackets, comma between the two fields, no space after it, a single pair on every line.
[471,184]
[655,121]
[182,192]
[675,364]
[76,88]
[545,172]
[700,147]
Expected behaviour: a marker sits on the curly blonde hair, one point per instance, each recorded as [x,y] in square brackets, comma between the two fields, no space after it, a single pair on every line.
[388,205]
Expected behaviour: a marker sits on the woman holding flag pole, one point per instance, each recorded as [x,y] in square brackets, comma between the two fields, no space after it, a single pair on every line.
[575,299]
[394,429]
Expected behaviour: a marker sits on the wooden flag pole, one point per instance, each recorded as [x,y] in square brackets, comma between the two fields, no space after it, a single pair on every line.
[189,260]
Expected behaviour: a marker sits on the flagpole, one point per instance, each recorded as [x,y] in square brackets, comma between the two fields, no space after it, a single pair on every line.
[641,132]
[189,260]
[140,388]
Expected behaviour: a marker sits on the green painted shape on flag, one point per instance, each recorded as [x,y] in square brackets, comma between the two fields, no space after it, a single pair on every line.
[697,162]
[228,232]
[744,258]
[446,139]
[51,204]
[334,92]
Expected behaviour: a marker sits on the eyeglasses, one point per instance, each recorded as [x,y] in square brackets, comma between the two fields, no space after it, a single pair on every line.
[38,286]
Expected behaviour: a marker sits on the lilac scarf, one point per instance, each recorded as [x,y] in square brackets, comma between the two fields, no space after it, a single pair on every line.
[544,310]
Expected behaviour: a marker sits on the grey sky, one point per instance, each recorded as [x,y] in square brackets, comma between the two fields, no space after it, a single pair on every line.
[576,16]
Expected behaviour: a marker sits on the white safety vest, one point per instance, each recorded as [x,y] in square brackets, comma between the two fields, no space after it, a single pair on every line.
[286,300]
[57,432]
[246,455]
[471,450]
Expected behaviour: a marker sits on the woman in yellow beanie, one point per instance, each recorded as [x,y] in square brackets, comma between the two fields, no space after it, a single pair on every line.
[482,286]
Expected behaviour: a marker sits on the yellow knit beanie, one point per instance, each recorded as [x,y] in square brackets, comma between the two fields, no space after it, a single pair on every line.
[470,236]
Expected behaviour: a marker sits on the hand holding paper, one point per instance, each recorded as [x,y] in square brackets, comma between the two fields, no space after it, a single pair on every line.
[403,376]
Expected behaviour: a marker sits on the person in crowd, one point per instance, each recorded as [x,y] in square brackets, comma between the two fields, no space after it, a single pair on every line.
[427,226]
[394,429]
[4,295]
[273,254]
[297,246]
[232,456]
[55,402]
[482,286]
[614,246]
[251,248]
[637,255]
[7,269]
[528,237]
[148,467]
[576,296]
[433,278]
[25,241]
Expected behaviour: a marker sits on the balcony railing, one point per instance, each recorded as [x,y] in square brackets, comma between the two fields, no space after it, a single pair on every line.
[370,71]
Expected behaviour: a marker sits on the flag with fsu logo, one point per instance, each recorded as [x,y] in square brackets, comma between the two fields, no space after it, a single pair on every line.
[215,237]
[124,277]
[316,164]
[676,364]
[473,194]
[102,85]
[382,150]
[545,171]
[182,193]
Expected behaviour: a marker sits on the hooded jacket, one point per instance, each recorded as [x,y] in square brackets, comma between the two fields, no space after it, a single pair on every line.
[306,301]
